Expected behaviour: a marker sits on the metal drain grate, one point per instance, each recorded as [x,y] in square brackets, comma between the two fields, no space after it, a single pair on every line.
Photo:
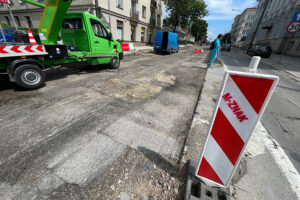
[198,190]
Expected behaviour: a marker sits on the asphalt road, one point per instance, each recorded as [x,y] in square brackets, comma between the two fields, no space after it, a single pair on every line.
[282,116]
[94,133]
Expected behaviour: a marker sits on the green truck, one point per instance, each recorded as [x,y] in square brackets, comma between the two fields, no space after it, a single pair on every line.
[84,39]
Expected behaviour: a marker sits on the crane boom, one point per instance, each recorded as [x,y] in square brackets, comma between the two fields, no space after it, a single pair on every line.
[52,19]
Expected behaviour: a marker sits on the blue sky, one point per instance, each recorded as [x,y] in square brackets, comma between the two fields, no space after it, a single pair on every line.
[221,15]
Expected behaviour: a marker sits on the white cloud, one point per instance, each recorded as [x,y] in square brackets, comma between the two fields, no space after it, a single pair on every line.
[222,9]
[211,35]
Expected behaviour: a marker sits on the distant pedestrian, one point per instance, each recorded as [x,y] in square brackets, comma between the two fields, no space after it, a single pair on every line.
[214,48]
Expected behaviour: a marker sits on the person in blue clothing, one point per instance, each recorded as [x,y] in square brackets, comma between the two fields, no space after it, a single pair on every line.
[214,48]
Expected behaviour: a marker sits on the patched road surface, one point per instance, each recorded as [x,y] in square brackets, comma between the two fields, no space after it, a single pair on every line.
[93,133]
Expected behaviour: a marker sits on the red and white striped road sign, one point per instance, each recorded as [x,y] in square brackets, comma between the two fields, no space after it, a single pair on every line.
[22,50]
[198,51]
[4,1]
[31,37]
[243,99]
[127,46]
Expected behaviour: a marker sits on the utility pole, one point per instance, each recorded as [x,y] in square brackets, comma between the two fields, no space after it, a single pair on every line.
[258,23]
[97,8]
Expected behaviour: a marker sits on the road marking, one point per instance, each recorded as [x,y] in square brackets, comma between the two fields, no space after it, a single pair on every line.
[223,63]
[280,157]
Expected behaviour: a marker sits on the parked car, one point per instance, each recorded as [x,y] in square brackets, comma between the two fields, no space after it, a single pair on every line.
[260,50]
[8,37]
[166,41]
[226,47]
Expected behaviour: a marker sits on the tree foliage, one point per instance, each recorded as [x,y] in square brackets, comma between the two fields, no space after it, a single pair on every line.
[199,29]
[183,12]
[226,38]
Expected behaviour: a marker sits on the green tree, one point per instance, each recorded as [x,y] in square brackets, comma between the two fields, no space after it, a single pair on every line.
[199,29]
[183,12]
[226,38]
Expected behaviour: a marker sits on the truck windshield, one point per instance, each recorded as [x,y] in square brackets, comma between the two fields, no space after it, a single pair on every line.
[98,29]
[72,23]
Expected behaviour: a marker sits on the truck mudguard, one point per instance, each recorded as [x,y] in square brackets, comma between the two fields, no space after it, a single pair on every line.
[14,63]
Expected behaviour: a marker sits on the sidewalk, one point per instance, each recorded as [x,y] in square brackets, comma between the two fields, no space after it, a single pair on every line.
[288,64]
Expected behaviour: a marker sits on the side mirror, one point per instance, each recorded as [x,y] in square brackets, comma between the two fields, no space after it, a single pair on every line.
[109,36]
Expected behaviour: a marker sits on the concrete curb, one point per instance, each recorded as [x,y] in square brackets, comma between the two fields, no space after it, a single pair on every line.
[205,108]
[203,113]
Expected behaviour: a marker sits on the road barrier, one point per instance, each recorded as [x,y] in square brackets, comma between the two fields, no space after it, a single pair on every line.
[198,51]
[127,46]
[243,99]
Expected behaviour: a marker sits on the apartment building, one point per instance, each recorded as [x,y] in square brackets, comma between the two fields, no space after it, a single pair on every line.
[242,24]
[129,20]
[272,29]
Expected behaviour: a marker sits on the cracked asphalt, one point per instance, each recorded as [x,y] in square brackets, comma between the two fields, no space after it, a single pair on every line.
[95,133]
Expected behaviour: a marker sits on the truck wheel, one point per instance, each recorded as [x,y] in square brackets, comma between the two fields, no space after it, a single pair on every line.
[29,76]
[114,63]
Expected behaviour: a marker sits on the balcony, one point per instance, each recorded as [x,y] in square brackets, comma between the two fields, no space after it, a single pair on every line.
[152,21]
[153,3]
[134,15]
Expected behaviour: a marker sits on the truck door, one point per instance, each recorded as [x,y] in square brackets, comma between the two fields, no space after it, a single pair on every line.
[99,39]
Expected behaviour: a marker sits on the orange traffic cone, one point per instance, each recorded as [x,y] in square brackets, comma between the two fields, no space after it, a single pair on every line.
[31,38]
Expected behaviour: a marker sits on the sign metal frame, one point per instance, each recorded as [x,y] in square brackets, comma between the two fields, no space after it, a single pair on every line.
[268,97]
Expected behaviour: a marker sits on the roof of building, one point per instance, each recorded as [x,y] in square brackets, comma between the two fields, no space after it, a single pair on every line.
[255,7]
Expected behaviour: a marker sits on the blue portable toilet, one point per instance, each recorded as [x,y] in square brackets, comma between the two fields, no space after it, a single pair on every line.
[166,41]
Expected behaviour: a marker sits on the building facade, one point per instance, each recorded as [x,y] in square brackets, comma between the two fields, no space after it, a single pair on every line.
[130,20]
[272,29]
[242,24]
[234,33]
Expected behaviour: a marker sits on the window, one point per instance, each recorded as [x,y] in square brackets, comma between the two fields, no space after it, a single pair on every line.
[290,45]
[7,20]
[142,34]
[72,23]
[158,21]
[98,29]
[29,22]
[119,3]
[119,30]
[17,20]
[133,32]
[144,12]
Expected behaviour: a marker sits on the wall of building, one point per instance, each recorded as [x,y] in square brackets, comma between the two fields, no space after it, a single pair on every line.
[242,25]
[121,14]
[272,29]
